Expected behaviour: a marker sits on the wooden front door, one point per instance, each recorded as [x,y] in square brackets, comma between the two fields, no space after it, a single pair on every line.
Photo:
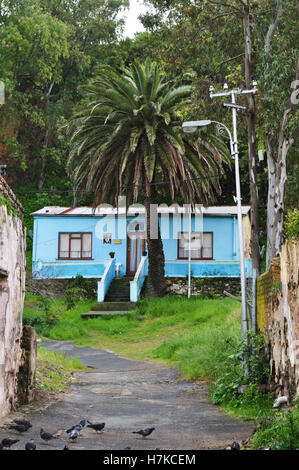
[135,247]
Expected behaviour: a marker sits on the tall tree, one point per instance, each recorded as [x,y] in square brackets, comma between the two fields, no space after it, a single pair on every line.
[128,137]
[48,48]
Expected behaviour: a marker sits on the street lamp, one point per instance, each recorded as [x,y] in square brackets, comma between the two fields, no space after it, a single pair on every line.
[191,126]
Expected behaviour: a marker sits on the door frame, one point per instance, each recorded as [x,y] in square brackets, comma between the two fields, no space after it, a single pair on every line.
[131,273]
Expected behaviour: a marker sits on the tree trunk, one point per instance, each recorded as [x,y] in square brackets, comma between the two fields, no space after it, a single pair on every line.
[250,118]
[43,172]
[156,286]
[284,144]
[271,202]
[270,159]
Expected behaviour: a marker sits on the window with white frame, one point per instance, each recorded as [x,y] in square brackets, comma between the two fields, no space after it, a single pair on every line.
[75,245]
[201,245]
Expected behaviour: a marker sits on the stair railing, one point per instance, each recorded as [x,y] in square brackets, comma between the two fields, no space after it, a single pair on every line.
[137,283]
[107,278]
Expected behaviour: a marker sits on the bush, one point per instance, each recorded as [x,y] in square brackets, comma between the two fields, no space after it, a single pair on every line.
[248,365]
[292,225]
[39,323]
[87,287]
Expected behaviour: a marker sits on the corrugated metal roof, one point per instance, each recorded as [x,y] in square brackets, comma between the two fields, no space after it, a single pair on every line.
[133,210]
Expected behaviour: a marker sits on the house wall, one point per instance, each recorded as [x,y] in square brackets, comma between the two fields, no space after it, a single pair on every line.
[45,247]
[12,291]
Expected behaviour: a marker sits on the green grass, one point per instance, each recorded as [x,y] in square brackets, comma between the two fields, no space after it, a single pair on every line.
[280,431]
[54,371]
[195,335]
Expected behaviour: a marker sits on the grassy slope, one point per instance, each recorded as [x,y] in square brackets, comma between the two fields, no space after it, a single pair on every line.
[171,329]
[54,371]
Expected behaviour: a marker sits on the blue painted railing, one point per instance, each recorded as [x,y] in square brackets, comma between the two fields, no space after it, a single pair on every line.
[137,283]
[107,278]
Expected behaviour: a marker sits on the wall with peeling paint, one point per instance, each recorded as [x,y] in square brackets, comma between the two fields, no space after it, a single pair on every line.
[12,291]
[278,318]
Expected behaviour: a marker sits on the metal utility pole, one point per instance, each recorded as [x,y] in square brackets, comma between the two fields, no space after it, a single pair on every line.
[189,250]
[238,200]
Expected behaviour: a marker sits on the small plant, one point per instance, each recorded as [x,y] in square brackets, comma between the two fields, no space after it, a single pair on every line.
[111,254]
[73,296]
[10,208]
[276,286]
[50,317]
[199,282]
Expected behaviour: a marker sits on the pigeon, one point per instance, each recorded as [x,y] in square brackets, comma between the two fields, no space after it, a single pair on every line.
[19,427]
[144,432]
[30,445]
[97,427]
[23,422]
[46,436]
[235,446]
[79,426]
[280,401]
[74,434]
[7,442]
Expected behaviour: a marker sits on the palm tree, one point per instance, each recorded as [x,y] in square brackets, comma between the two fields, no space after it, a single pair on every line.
[128,136]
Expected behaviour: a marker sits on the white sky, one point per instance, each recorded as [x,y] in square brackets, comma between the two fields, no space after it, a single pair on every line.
[133,25]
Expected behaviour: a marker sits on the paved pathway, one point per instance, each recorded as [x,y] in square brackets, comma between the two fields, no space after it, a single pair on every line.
[129,396]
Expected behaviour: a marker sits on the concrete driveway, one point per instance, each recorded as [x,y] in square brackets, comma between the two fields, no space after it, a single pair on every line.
[129,396]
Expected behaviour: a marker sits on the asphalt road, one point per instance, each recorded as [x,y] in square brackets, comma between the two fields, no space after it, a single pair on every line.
[129,396]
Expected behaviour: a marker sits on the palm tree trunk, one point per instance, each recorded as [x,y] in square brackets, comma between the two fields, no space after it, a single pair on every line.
[156,286]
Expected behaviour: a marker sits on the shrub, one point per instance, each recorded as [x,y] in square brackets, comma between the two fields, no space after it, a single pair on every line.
[291,228]
[81,288]
[50,317]
[248,365]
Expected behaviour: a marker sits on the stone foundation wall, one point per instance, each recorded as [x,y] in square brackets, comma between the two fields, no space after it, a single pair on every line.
[278,318]
[209,286]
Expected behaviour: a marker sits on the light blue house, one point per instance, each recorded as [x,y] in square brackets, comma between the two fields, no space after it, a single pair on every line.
[68,241]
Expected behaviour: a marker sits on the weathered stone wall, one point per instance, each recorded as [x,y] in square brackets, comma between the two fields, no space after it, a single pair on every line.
[12,291]
[278,318]
[208,286]
[27,367]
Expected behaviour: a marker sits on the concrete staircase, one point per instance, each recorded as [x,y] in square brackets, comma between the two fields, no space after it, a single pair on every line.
[117,300]
[119,290]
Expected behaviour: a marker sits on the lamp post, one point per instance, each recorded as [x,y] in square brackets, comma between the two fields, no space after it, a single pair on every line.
[192,126]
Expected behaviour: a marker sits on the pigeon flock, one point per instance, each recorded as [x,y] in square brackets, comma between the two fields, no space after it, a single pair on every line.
[22,426]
